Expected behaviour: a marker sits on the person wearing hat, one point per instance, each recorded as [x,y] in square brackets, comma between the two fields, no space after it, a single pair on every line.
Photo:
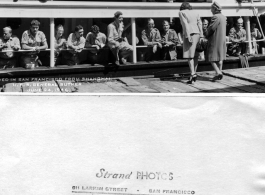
[8,42]
[237,35]
[152,39]
[33,40]
[192,32]
[117,44]
[97,40]
[216,35]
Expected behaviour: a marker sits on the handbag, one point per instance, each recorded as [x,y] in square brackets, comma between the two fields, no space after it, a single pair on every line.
[202,45]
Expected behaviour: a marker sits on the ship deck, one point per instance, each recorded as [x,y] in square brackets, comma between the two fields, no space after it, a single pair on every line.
[240,80]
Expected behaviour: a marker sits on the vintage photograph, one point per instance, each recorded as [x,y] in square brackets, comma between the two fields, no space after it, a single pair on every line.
[151,46]
[132,97]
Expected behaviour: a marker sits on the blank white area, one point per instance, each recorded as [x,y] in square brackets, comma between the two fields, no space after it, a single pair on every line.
[212,145]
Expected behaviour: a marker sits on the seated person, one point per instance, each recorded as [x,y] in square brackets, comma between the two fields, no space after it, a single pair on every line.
[151,38]
[59,43]
[169,42]
[205,24]
[8,42]
[237,35]
[118,45]
[75,44]
[255,34]
[33,40]
[96,40]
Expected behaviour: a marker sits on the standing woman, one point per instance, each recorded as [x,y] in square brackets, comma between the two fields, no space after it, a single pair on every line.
[216,35]
[192,31]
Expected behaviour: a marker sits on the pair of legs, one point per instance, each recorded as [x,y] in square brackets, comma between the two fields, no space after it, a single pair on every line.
[193,64]
[122,52]
[150,55]
[168,53]
[217,66]
[8,63]
[70,59]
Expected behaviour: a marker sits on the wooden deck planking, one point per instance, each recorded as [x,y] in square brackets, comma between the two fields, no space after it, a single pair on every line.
[144,89]
[120,87]
[150,83]
[12,87]
[129,81]
[30,87]
[50,87]
[135,85]
[228,84]
[95,88]
[253,74]
[166,86]
[67,86]
[247,75]
[220,86]
[207,87]
[202,86]
[183,86]
[243,80]
[238,84]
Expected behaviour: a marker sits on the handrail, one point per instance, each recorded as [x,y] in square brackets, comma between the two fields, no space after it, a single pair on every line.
[93,49]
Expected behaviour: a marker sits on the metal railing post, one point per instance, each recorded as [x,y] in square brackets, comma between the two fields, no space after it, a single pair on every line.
[247,24]
[134,40]
[52,42]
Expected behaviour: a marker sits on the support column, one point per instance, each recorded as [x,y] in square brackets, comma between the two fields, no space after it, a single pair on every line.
[52,42]
[171,19]
[134,40]
[247,25]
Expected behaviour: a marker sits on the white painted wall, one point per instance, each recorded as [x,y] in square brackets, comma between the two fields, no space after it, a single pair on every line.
[225,1]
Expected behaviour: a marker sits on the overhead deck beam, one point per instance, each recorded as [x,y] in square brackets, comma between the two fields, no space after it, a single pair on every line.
[65,9]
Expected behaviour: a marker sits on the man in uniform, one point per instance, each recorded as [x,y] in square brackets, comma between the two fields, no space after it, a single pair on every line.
[117,44]
[169,42]
[59,44]
[34,41]
[76,43]
[151,38]
[237,35]
[8,42]
[255,35]
[96,40]
[205,24]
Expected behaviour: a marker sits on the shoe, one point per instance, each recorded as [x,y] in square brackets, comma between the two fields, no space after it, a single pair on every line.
[218,77]
[192,79]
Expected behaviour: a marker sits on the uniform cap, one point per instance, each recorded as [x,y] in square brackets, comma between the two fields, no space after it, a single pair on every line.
[217,6]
